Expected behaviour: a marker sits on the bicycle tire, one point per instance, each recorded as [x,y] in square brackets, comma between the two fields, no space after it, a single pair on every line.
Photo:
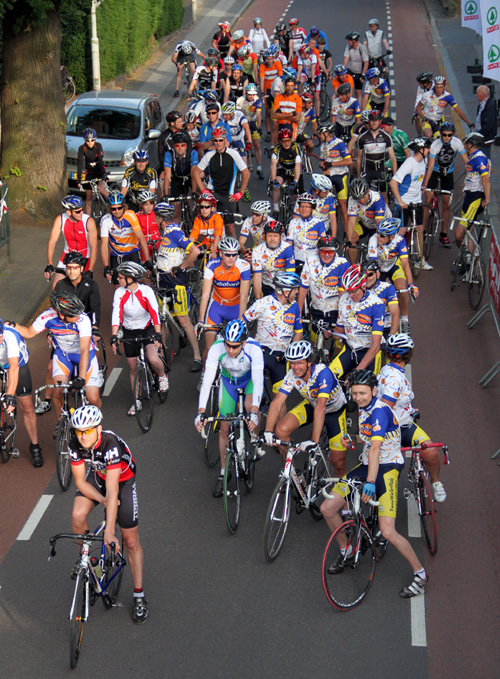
[347,589]
[7,435]
[69,89]
[162,395]
[429,234]
[172,339]
[319,471]
[194,310]
[477,283]
[232,495]
[100,351]
[77,620]
[143,393]
[459,268]
[415,252]
[278,513]
[63,463]
[324,106]
[249,473]
[111,596]
[211,453]
[427,512]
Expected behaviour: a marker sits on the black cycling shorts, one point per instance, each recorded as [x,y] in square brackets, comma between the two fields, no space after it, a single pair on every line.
[128,509]
[116,260]
[24,385]
[276,364]
[180,186]
[132,348]
[446,181]
[419,215]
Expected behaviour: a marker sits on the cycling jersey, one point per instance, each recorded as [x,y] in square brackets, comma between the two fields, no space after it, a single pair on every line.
[420,93]
[359,321]
[180,165]
[207,128]
[110,452]
[277,323]
[223,41]
[336,82]
[12,346]
[433,106]
[269,73]
[304,234]
[92,160]
[445,154]
[310,65]
[289,104]
[65,336]
[335,151]
[410,176]
[258,39]
[236,87]
[248,63]
[135,309]
[223,169]
[399,143]
[377,422]
[268,262]
[357,57]
[173,248]
[375,43]
[322,281]
[286,158]
[149,227]
[374,148]
[297,37]
[387,254]
[345,112]
[307,116]
[87,291]
[248,228]
[76,236]
[477,167]
[378,92]
[324,208]
[227,282]
[236,126]
[122,233]
[136,181]
[371,213]
[205,230]
[178,48]
[322,383]
[395,388]
[205,77]
[387,293]
[249,108]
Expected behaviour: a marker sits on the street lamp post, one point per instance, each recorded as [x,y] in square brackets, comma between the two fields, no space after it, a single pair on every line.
[96,65]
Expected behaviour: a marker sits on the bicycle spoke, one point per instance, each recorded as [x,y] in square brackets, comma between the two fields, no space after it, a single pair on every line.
[63,463]
[144,402]
[232,495]
[477,282]
[427,512]
[277,518]
[77,619]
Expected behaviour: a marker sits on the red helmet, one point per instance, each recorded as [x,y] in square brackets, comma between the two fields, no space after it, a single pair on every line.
[285,133]
[207,197]
[375,114]
[293,21]
[274,226]
[219,133]
[353,279]
[304,49]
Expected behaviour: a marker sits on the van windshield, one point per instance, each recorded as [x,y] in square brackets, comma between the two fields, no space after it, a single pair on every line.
[116,123]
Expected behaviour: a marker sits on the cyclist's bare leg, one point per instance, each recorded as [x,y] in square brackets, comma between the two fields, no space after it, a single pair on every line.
[404,297]
[431,461]
[135,554]
[274,132]
[338,460]
[154,360]
[388,529]
[258,151]
[56,278]
[82,506]
[287,424]
[29,417]
[330,509]
[343,211]
[132,362]
[93,397]
[88,201]
[317,102]
[445,198]
[429,197]
[276,192]
[186,324]
[102,190]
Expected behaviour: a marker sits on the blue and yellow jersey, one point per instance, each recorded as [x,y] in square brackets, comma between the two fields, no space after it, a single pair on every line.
[359,321]
[388,254]
[322,383]
[377,422]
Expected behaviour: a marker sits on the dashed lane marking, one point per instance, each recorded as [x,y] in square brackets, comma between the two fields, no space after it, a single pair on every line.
[111,381]
[418,628]
[35,517]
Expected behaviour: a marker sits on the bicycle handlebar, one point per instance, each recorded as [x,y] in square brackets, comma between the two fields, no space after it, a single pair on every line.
[425,446]
[479,223]
[354,484]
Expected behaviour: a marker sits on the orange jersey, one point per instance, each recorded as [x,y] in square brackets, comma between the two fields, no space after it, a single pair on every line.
[270,73]
[226,282]
[336,82]
[205,230]
[122,233]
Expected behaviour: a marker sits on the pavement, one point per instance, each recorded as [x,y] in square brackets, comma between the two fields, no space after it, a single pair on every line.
[23,288]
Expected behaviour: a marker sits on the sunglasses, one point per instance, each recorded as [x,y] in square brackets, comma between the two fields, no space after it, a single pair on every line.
[327,252]
[219,141]
[117,209]
[77,212]
[87,432]
[205,207]
[212,113]
[447,134]
[232,346]
[230,254]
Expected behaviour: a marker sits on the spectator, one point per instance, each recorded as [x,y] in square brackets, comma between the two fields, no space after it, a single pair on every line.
[486,119]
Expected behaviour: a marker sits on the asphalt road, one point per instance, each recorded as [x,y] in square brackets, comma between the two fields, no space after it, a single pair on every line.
[217,608]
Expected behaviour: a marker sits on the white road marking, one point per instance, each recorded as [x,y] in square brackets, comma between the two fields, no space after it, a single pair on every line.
[418,628]
[35,517]
[414,527]
[111,381]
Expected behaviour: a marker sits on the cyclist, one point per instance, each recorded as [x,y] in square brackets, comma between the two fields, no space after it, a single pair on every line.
[374,145]
[174,125]
[335,162]
[308,115]
[381,463]
[251,107]
[387,293]
[366,210]
[388,248]
[178,172]
[226,282]
[297,38]
[308,71]
[341,77]
[14,357]
[80,234]
[356,61]
[432,104]
[135,310]
[147,220]
[287,108]
[375,42]
[215,120]
[357,131]
[241,364]
[282,38]
[205,76]
[249,62]
[360,323]
[208,225]
[224,75]
[272,256]
[305,230]
[90,165]
[258,36]
[176,254]
[122,238]
[399,141]
[425,82]
[235,84]
[241,137]
[377,93]
[285,165]
[109,480]
[254,225]
[184,52]
[395,390]
[345,112]
[222,39]
[323,404]
[238,39]
[326,205]
[477,187]
[138,177]
[440,165]
[278,323]
[269,70]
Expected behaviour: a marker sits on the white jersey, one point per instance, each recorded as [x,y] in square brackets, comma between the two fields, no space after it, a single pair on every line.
[345,111]
[65,336]
[12,346]
[258,39]
[410,176]
[236,126]
[323,280]
[276,323]
[395,388]
[375,43]
[248,228]
[136,309]
[304,234]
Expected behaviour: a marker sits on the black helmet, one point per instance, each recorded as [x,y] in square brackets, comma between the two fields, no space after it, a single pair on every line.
[353,35]
[74,257]
[366,377]
[424,77]
[274,226]
[345,88]
[447,125]
[66,303]
[419,143]
[280,27]
[179,138]
[172,116]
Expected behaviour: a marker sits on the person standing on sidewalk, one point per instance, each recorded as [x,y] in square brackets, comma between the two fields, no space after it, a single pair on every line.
[486,119]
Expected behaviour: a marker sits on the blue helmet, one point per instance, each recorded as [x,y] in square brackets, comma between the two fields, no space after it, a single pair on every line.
[1,327]
[141,155]
[72,203]
[237,67]
[372,73]
[210,95]
[115,198]
[236,331]
[389,226]
[340,69]
[289,72]
[275,50]
[268,52]
[89,133]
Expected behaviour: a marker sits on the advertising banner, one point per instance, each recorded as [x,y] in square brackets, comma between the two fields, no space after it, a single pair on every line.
[471,15]
[490,22]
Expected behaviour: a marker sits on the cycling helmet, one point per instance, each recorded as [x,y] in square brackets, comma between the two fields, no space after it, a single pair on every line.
[237,67]
[280,27]
[447,125]
[353,35]
[251,88]
[389,226]
[237,35]
[373,22]
[228,60]
[321,182]
[186,47]
[340,69]
[274,226]
[298,351]
[365,116]
[72,203]
[365,377]
[328,243]
[89,133]
[116,198]
[285,281]
[225,24]
[212,52]
[85,417]
[289,72]
[165,211]
[141,155]
[358,188]
[262,207]
[345,88]
[424,77]
[353,278]
[314,30]
[275,50]
[172,116]
[257,20]
[326,128]
[440,80]
[236,331]
[210,95]
[229,107]
[244,49]
[307,198]
[307,96]
[372,73]
[399,345]
[371,265]
[418,143]
[74,257]
[211,61]
[375,114]
[131,270]
[229,244]
[293,21]
[190,117]
[268,53]
[474,138]
[144,196]
[207,197]
[285,133]
[304,50]
[67,303]
[219,133]
[289,78]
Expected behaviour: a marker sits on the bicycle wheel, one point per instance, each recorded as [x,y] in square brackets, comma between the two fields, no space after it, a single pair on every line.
[347,579]
[114,575]
[277,518]
[7,435]
[477,282]
[63,463]
[143,391]
[77,619]
[379,541]
[427,512]
[429,233]
[459,268]
[249,474]
[318,472]
[162,395]
[100,351]
[324,106]
[232,497]
[69,89]
[416,253]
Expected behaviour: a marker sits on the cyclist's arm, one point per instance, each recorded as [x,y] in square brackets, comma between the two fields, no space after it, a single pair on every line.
[297,169]
[92,232]
[175,56]
[197,177]
[333,223]
[244,288]
[85,488]
[167,176]
[373,461]
[26,332]
[248,134]
[462,115]
[319,417]
[13,375]
[371,353]
[84,357]
[487,190]
[95,304]
[420,111]
[205,298]
[394,184]
[394,311]
[245,178]
[53,238]
[392,157]
[302,297]
[192,252]
[274,167]
[386,104]
[366,96]
[142,242]
[105,250]
[430,167]
[298,335]
[274,410]
[111,504]
[257,284]
[358,162]
[405,263]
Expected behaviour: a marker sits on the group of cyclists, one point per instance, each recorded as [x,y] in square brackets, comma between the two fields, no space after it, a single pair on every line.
[269,291]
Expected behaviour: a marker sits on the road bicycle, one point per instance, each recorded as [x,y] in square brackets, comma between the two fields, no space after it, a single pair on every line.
[97,576]
[98,205]
[187,218]
[469,266]
[287,203]
[414,242]
[174,335]
[324,99]
[304,489]
[321,353]
[67,84]
[434,224]
[8,423]
[348,575]
[71,400]
[100,352]
[361,251]
[422,492]
[146,383]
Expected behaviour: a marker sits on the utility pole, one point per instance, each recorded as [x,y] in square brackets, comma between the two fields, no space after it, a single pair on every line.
[96,65]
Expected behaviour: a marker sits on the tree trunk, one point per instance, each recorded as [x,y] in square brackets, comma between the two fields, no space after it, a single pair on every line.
[33,117]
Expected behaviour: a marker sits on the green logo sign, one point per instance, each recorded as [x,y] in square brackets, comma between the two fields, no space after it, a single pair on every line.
[492,16]
[493,54]
[471,7]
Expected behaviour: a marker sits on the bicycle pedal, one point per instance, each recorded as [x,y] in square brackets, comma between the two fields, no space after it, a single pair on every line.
[14,453]
[407,493]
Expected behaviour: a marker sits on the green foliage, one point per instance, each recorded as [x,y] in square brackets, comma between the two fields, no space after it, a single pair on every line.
[15,172]
[41,188]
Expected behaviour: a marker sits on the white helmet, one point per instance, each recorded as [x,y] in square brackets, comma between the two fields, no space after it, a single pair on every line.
[262,207]
[229,244]
[298,351]
[186,47]
[86,416]
[321,182]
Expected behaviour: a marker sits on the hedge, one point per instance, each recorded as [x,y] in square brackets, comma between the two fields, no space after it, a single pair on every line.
[128,32]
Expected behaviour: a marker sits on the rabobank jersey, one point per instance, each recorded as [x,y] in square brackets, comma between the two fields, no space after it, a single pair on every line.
[433,106]
[173,247]
[268,262]
[387,293]
[322,280]
[276,323]
[410,176]
[65,336]
[377,422]
[304,234]
[395,388]
[227,282]
[445,154]
[345,112]
[360,320]
[478,167]
[371,213]
[387,254]
[322,383]
[122,233]
[12,346]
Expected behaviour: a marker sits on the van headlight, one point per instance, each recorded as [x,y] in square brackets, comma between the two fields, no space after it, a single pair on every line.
[128,155]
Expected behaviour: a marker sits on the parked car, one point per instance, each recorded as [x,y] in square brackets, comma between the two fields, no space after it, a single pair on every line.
[124,122]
